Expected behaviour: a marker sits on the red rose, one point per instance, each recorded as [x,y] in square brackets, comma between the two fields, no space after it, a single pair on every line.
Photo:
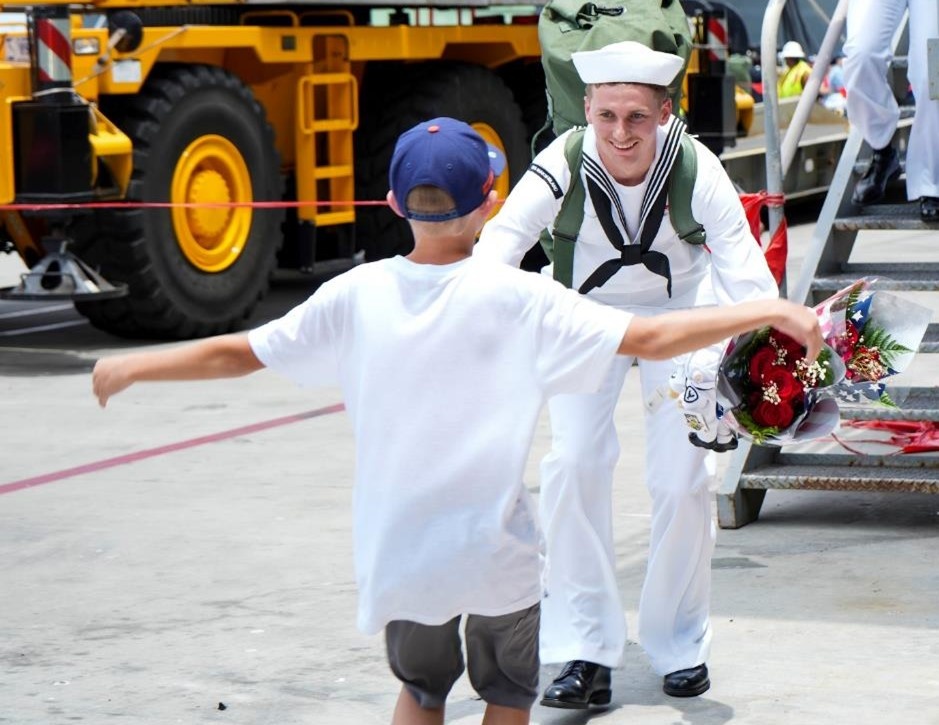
[851,334]
[762,361]
[788,387]
[778,415]
[793,350]
[845,343]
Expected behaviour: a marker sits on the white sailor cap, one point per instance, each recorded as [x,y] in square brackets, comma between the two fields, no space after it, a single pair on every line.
[627,62]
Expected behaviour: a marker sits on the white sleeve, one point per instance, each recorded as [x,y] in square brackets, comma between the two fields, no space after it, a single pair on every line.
[302,345]
[530,207]
[738,269]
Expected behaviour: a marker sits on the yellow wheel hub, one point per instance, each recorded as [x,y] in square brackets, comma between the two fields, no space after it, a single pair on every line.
[210,174]
[503,181]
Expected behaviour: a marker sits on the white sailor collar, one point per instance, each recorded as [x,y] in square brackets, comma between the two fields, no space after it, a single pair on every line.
[667,145]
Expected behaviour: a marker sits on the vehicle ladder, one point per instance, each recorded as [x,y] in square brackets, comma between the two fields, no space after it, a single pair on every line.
[327,116]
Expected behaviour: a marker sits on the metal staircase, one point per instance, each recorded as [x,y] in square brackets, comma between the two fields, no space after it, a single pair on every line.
[828,268]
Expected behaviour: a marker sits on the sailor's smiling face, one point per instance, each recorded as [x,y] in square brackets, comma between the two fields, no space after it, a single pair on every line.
[625,117]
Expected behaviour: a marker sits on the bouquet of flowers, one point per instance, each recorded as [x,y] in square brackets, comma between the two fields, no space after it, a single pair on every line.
[876,336]
[771,395]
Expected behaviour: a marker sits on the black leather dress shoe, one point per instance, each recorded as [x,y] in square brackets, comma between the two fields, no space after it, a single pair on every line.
[579,686]
[929,209]
[687,683]
[885,166]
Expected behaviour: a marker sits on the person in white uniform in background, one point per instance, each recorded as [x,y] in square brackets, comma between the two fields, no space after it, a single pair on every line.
[628,145]
[872,107]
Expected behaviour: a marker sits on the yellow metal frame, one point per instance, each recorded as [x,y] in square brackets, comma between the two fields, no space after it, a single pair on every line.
[14,87]
[321,63]
[327,114]
[113,148]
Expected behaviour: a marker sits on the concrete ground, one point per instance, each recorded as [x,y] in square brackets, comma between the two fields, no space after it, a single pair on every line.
[184,557]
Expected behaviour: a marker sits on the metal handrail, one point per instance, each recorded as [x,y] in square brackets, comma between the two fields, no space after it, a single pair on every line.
[779,156]
[809,95]
[776,166]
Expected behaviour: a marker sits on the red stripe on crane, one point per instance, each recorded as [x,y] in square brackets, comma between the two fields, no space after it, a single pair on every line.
[50,36]
[718,31]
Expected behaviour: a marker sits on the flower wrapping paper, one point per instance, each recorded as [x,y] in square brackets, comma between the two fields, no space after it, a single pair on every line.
[869,334]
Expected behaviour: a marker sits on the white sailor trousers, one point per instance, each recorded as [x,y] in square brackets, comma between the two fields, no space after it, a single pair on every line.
[871,105]
[582,615]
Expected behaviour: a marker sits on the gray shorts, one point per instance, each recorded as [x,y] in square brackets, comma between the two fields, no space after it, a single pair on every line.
[501,652]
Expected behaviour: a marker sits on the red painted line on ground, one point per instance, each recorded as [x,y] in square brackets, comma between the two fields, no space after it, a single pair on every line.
[162,450]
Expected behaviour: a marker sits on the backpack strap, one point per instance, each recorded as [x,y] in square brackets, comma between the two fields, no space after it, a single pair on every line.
[680,188]
[559,242]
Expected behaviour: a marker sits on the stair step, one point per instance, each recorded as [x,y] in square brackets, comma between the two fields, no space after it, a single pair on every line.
[930,341]
[886,216]
[914,404]
[913,276]
[853,461]
[842,478]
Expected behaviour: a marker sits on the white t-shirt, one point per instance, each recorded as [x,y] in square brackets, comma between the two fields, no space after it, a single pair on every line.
[444,370]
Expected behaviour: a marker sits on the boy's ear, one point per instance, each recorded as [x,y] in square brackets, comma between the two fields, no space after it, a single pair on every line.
[393,203]
[491,200]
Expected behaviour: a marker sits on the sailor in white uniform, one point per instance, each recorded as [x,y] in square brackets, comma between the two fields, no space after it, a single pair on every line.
[629,256]
[871,105]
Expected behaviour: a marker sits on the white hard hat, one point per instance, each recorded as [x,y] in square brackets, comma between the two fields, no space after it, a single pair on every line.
[793,49]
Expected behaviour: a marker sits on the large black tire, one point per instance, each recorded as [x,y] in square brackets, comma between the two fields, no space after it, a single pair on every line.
[198,135]
[528,86]
[395,99]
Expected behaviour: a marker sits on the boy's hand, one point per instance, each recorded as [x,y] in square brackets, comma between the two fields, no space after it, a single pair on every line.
[801,324]
[109,378]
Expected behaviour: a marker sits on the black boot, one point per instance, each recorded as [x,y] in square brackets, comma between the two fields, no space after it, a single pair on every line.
[687,683]
[885,166]
[579,686]
[929,209]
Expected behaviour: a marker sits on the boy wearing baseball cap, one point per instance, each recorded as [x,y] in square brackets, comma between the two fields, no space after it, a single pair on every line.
[444,362]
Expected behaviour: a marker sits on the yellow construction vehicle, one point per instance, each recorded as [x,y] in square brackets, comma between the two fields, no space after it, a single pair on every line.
[166,157]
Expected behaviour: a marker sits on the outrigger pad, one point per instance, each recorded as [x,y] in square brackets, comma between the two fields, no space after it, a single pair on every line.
[62,276]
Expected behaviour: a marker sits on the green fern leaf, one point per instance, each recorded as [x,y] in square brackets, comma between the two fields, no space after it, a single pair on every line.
[880,338]
[887,400]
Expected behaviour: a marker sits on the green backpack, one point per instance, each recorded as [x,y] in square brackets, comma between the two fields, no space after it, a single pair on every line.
[559,243]
[566,26]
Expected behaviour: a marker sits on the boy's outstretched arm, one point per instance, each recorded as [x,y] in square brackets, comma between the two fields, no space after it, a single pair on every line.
[226,356]
[675,333]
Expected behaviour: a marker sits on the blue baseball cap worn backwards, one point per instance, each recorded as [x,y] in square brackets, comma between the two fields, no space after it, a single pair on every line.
[449,155]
